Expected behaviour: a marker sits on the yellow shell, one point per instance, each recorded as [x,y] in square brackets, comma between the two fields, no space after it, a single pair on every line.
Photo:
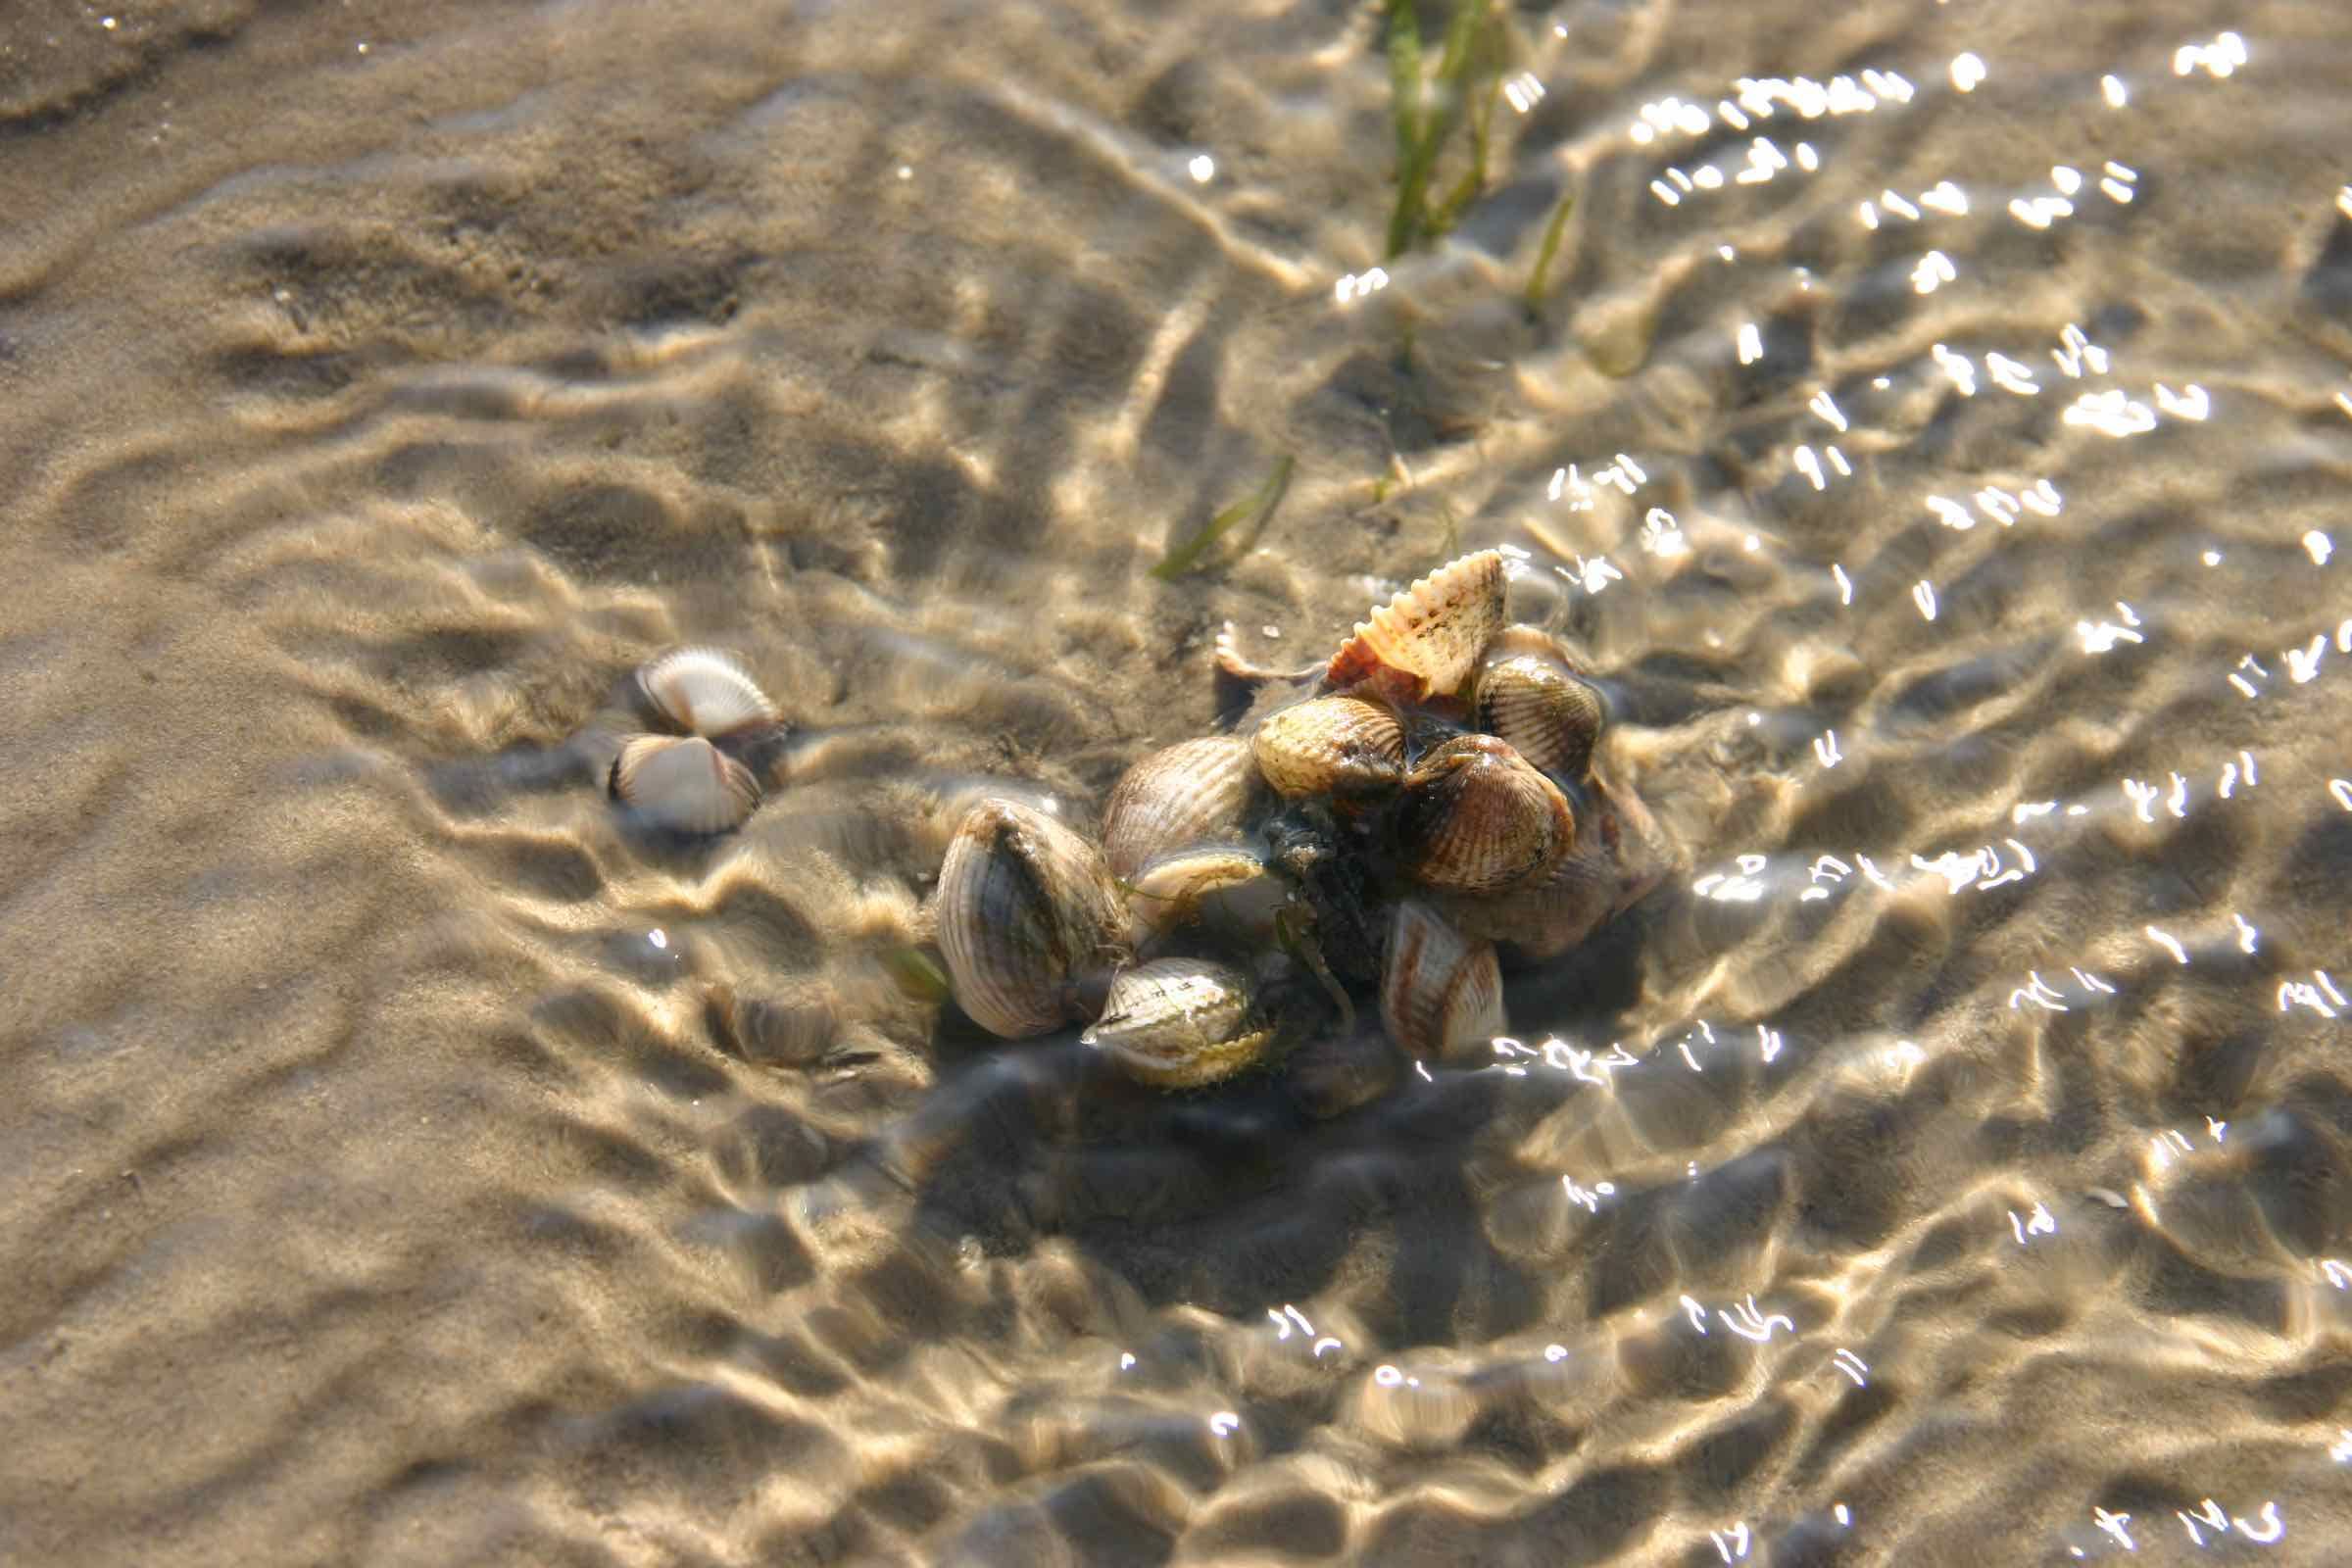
[1476,817]
[705,691]
[1341,746]
[1193,793]
[683,782]
[1181,1023]
[1029,919]
[1427,640]
[1530,695]
[1440,991]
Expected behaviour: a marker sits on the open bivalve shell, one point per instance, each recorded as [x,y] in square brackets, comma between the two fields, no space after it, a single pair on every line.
[1440,991]
[1029,920]
[1342,747]
[1193,793]
[1477,817]
[1232,884]
[1181,1023]
[705,691]
[684,783]
[1530,695]
[1428,640]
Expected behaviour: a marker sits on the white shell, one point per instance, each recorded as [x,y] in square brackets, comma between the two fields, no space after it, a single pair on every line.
[1181,1023]
[705,691]
[1195,792]
[1230,887]
[1440,992]
[1030,920]
[1427,640]
[684,783]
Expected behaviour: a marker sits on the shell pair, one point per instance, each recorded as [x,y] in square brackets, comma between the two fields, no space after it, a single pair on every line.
[1034,928]
[687,783]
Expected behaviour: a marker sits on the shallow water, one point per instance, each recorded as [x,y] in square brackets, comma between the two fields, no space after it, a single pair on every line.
[408,1160]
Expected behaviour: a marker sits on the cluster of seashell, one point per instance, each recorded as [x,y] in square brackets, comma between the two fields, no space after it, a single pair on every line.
[1382,824]
[697,779]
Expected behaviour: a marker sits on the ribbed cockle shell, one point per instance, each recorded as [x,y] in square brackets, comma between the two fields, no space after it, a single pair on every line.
[1531,695]
[683,782]
[1440,991]
[1181,1023]
[1619,854]
[1427,640]
[1476,817]
[1029,920]
[1195,791]
[1342,747]
[705,691]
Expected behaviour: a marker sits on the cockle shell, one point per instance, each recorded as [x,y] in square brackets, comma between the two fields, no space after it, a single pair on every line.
[1439,991]
[1177,889]
[1181,1023]
[1619,854]
[1029,919]
[683,782]
[705,691]
[1193,793]
[1475,817]
[1427,640]
[1342,747]
[1531,695]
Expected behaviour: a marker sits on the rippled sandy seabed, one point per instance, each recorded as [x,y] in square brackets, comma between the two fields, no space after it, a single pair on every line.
[1936,433]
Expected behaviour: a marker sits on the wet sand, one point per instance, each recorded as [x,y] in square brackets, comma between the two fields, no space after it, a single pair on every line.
[409,1160]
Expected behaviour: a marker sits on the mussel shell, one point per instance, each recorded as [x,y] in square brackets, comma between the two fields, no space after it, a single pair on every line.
[1530,695]
[1195,792]
[705,691]
[683,782]
[1341,746]
[1232,888]
[1440,991]
[1475,817]
[1182,1023]
[1029,919]
[1427,640]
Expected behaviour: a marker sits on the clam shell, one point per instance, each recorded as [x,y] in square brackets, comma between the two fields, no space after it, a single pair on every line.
[1530,695]
[1029,919]
[1342,747]
[705,691]
[1173,890]
[1195,792]
[1180,1023]
[1619,854]
[1477,817]
[1440,991]
[1427,640]
[683,782]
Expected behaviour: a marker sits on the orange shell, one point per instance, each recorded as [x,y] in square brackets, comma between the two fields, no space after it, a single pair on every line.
[1427,640]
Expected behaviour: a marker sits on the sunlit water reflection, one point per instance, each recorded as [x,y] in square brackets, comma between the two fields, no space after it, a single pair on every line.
[1933,426]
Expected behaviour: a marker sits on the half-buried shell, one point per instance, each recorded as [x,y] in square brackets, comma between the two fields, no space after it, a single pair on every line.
[1476,817]
[683,782]
[1029,920]
[705,691]
[1427,640]
[1182,1023]
[1193,793]
[1342,747]
[1440,991]
[1530,695]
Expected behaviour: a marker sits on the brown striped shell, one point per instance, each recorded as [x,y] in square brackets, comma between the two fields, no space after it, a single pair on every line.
[1476,817]
[1343,746]
[1193,793]
[1619,854]
[1441,993]
[705,691]
[1182,1023]
[1427,640]
[1530,695]
[1029,920]
[683,783]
